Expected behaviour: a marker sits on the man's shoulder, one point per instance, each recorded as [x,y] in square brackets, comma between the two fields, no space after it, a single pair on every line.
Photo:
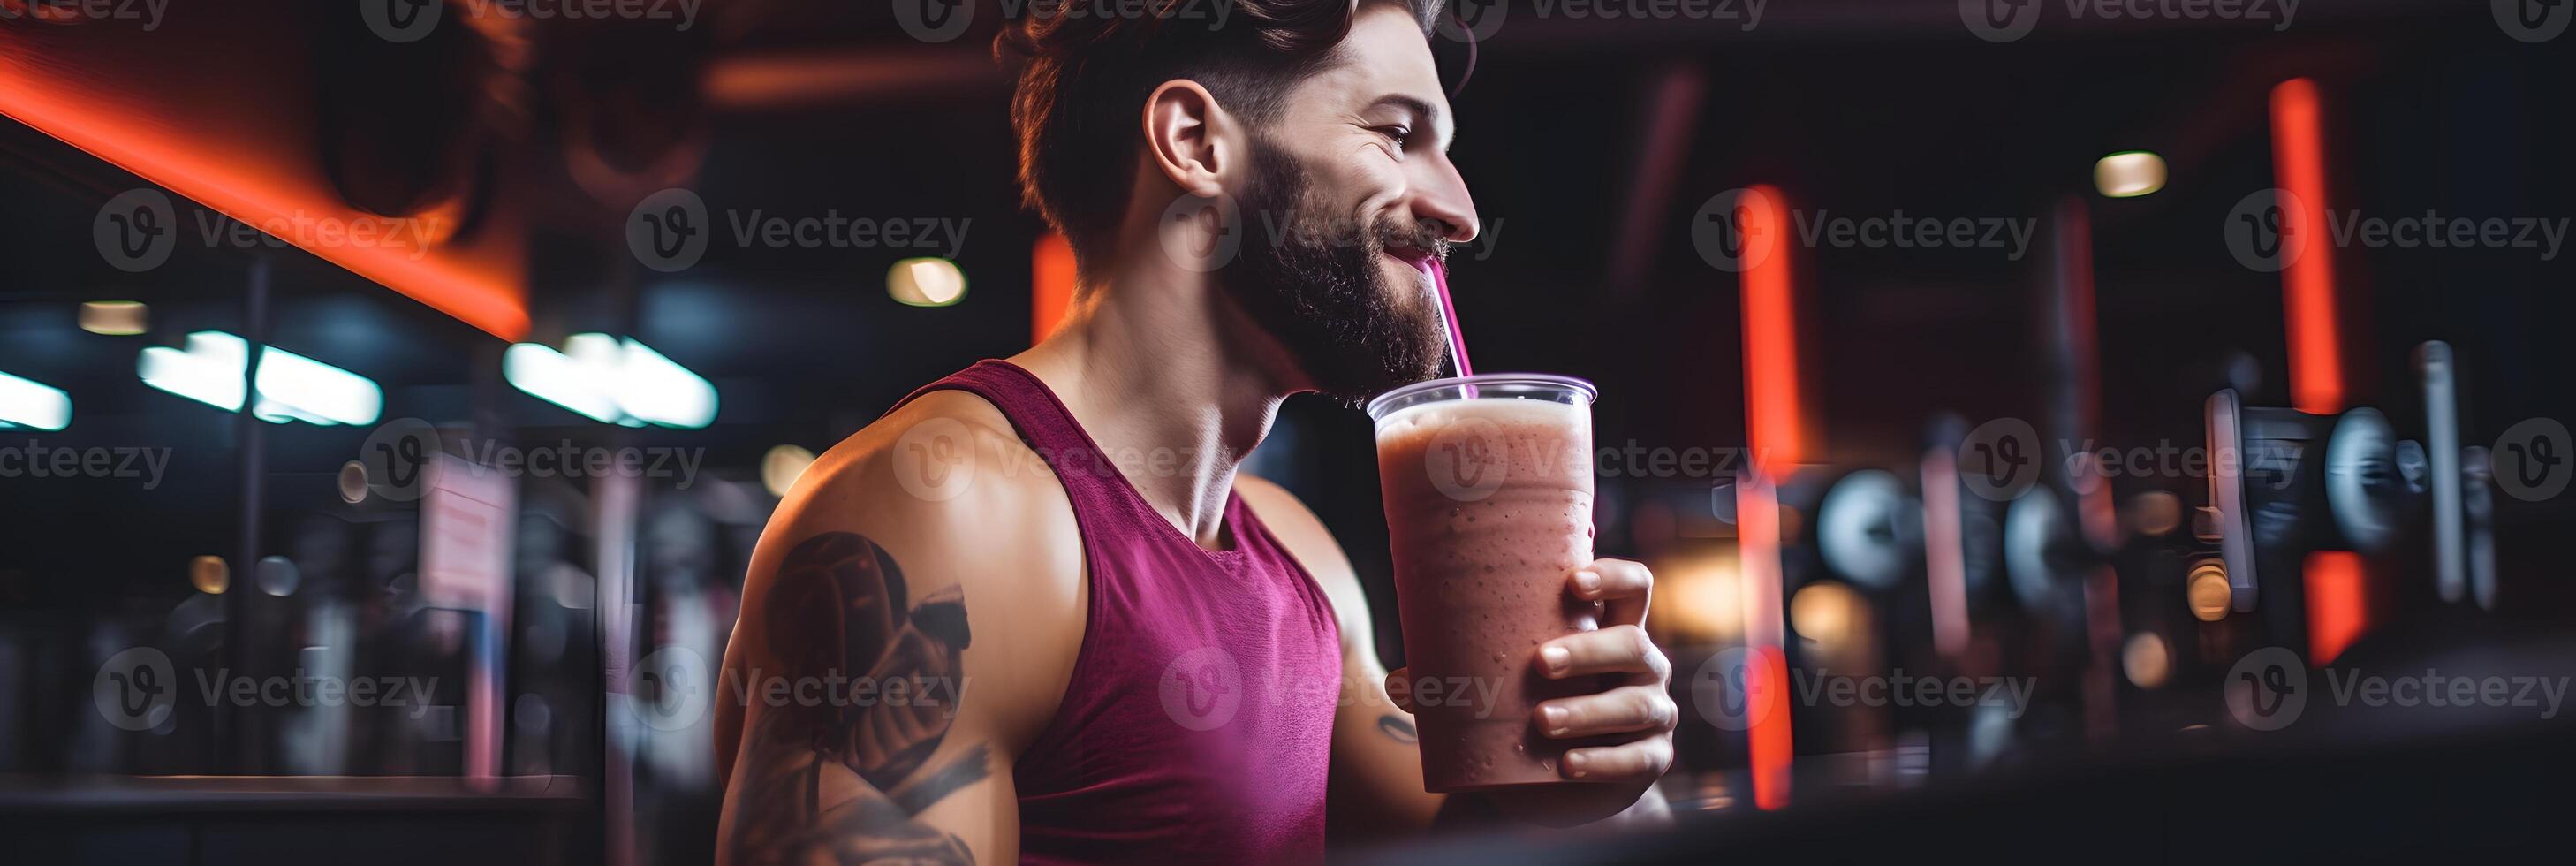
[944,482]
[946,453]
[935,516]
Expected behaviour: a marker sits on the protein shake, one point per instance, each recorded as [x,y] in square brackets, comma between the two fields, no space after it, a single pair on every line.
[1488,489]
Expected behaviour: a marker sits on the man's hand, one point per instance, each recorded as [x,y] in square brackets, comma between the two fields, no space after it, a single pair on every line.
[1635,714]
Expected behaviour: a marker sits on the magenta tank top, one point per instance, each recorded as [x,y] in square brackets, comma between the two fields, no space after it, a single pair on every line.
[1198,725]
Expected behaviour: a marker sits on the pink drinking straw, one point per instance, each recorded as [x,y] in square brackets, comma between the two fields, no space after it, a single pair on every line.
[1449,318]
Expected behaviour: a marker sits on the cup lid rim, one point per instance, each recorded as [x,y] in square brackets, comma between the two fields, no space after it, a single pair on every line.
[1585,387]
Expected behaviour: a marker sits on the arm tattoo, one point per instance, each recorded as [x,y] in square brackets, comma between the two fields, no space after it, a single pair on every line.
[1398,728]
[836,613]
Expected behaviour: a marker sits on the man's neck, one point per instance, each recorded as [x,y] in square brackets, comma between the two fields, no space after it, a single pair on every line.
[1171,380]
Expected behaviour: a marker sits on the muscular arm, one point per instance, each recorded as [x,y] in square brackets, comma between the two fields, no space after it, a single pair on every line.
[824,773]
[876,692]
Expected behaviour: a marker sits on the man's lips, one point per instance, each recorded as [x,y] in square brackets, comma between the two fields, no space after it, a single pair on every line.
[1418,259]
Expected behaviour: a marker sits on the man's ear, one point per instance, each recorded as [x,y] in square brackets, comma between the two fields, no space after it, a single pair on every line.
[1190,138]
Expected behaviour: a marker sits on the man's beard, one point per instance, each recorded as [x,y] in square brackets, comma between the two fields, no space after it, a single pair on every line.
[1320,291]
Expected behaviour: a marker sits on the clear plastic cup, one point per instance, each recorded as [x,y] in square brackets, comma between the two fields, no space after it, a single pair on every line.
[1488,485]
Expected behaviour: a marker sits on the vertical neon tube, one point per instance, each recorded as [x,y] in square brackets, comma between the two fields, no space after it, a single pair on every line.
[2336,587]
[1774,430]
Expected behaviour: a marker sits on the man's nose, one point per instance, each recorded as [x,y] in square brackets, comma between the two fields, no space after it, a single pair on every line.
[1441,203]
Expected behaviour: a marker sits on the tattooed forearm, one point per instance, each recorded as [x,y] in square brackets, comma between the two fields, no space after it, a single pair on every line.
[843,782]
[1399,729]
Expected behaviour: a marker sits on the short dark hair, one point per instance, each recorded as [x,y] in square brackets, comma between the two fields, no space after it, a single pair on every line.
[1085,76]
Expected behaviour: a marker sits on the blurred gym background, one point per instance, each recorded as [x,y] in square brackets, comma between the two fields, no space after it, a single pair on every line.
[546,310]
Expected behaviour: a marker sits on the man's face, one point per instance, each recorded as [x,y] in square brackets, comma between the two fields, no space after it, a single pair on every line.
[1350,198]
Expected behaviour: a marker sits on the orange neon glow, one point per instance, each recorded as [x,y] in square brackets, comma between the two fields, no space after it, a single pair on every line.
[210,158]
[1775,430]
[2336,603]
[1051,282]
[1757,514]
[1772,421]
[2337,597]
[2308,281]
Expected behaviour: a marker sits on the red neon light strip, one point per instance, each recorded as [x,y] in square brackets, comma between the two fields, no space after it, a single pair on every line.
[1772,419]
[2338,609]
[1774,428]
[1757,510]
[2308,280]
[481,293]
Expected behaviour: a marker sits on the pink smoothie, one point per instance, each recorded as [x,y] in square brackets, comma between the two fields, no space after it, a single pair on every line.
[1489,507]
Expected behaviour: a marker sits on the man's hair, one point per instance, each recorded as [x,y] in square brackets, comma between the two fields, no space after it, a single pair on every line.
[1086,77]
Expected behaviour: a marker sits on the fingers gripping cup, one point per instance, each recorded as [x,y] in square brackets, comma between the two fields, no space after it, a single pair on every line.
[1488,489]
